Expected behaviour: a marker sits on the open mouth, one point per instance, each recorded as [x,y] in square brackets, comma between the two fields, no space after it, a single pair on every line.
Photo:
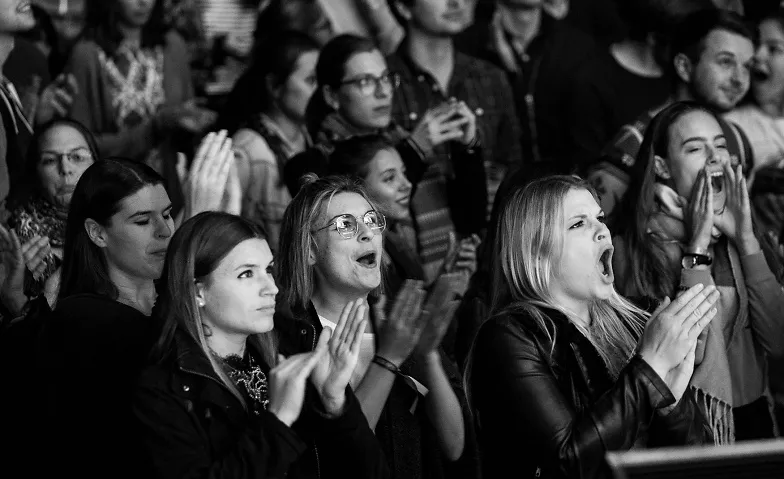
[605,264]
[368,259]
[719,191]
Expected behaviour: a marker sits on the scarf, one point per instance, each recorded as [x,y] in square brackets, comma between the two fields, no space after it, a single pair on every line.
[42,218]
[711,382]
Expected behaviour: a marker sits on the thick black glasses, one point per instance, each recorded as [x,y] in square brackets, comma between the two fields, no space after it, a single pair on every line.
[369,84]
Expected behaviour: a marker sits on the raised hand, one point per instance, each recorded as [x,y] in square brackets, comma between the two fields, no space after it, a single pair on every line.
[13,258]
[439,125]
[398,333]
[439,311]
[469,128]
[699,216]
[672,331]
[287,383]
[735,221]
[209,174]
[56,99]
[332,374]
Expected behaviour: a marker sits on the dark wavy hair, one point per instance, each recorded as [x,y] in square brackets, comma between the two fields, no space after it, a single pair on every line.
[30,184]
[352,157]
[102,19]
[330,70]
[98,196]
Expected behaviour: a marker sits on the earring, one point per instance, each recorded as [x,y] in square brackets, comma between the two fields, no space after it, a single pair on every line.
[200,302]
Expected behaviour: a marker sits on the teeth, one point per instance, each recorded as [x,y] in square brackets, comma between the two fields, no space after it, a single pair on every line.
[717,174]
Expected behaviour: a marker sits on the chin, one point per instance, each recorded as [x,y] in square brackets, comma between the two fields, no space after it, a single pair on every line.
[265,323]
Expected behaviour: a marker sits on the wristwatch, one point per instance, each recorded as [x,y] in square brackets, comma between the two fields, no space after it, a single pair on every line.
[690,260]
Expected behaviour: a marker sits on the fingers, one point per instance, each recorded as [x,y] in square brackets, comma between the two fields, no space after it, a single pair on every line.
[324,338]
[682,300]
[702,308]
[380,311]
[696,328]
[201,153]
[344,319]
[701,301]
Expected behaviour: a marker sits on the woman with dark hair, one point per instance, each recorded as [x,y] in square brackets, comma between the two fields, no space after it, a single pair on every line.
[330,257]
[134,85]
[690,224]
[568,369]
[266,114]
[59,153]
[354,98]
[94,344]
[219,347]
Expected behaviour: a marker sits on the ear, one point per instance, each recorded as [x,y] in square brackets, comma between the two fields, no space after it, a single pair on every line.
[271,86]
[683,67]
[330,98]
[660,168]
[402,10]
[96,232]
[200,296]
[311,255]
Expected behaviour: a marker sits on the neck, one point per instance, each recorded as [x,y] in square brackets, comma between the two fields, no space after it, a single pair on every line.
[772,105]
[433,54]
[138,293]
[132,35]
[329,303]
[225,345]
[525,30]
[291,129]
[637,57]
[683,92]
[580,310]
[6,45]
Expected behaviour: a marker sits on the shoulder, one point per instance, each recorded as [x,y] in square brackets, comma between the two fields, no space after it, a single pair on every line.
[252,145]
[85,51]
[98,311]
[481,67]
[174,42]
[513,325]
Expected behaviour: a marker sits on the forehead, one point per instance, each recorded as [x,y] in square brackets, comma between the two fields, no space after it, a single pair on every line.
[386,159]
[579,201]
[719,41]
[252,251]
[150,197]
[771,29]
[695,123]
[62,135]
[347,203]
[366,63]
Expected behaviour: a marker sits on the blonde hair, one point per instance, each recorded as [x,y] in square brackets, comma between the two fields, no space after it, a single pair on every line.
[531,244]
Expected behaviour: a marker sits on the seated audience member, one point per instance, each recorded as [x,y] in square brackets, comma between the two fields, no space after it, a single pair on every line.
[540,54]
[570,370]
[690,223]
[219,348]
[135,86]
[330,257]
[711,53]
[265,113]
[433,71]
[59,153]
[354,97]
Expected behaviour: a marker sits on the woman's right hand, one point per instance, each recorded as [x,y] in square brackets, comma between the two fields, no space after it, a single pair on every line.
[699,218]
[399,331]
[672,331]
[14,257]
[208,177]
[288,381]
[439,125]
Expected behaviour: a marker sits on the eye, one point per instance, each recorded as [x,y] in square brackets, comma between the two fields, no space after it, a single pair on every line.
[601,218]
[271,269]
[143,222]
[579,224]
[47,160]
[388,179]
[246,274]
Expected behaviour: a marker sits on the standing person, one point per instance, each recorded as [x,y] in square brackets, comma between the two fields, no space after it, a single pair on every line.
[433,71]
[251,414]
[570,370]
[135,86]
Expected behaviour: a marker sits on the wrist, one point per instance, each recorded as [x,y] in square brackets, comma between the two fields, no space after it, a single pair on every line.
[385,363]
[748,245]
[698,246]
[655,364]
[334,405]
[389,357]
[282,417]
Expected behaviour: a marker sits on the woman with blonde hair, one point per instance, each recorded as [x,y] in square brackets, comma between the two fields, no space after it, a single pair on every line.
[569,369]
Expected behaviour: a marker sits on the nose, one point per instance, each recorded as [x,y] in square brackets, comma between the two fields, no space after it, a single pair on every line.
[268,285]
[602,231]
[162,228]
[65,165]
[760,54]
[364,232]
[405,185]
[383,90]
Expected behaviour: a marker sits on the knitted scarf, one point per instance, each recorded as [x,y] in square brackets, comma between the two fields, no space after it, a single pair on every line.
[711,383]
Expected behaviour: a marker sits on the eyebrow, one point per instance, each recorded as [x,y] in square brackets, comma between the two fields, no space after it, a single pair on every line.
[147,212]
[246,266]
[702,138]
[54,152]
[583,216]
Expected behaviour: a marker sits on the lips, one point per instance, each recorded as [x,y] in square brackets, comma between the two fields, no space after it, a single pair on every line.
[368,259]
[405,201]
[718,186]
[604,264]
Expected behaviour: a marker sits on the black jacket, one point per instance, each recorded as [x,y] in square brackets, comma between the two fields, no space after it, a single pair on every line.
[192,426]
[556,415]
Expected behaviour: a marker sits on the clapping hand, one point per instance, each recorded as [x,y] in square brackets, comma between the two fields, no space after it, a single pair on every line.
[439,311]
[399,331]
[288,380]
[209,185]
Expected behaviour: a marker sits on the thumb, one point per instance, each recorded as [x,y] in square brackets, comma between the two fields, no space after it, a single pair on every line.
[182,168]
[323,340]
[666,302]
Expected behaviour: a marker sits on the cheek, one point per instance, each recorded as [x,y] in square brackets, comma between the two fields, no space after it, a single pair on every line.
[382,193]
[49,178]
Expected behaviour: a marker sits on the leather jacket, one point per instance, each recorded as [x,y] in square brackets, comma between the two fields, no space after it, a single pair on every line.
[552,410]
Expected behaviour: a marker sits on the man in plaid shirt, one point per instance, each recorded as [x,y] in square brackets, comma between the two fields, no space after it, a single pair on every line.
[432,72]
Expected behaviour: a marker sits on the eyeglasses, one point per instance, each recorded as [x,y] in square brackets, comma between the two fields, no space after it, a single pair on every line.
[369,84]
[348,225]
[78,155]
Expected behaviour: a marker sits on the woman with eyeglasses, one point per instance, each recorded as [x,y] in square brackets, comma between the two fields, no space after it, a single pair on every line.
[354,98]
[59,153]
[330,256]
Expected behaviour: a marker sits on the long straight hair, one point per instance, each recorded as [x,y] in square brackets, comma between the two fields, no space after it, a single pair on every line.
[98,196]
[103,17]
[531,245]
[296,277]
[195,251]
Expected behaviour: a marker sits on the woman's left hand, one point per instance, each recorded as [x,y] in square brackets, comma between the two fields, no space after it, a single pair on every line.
[678,379]
[735,221]
[440,310]
[332,374]
[469,129]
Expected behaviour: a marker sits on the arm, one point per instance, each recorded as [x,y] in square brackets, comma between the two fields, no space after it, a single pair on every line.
[683,425]
[347,443]
[175,446]
[373,392]
[383,25]
[443,408]
[766,302]
[515,390]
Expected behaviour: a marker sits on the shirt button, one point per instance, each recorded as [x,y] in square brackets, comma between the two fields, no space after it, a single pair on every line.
[186,388]
[303,332]
[421,78]
[479,111]
[434,87]
[526,58]
[413,116]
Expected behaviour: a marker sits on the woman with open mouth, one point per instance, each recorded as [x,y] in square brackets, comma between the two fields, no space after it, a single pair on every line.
[331,256]
[690,223]
[568,370]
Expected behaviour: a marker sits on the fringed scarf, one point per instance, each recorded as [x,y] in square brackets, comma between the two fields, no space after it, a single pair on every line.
[711,383]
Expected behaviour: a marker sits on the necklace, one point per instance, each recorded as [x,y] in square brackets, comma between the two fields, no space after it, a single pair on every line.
[248,376]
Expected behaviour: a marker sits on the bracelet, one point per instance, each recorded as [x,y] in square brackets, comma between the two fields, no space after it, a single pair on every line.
[386,364]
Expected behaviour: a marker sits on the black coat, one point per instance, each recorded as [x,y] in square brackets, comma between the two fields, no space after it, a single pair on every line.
[556,415]
[192,426]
